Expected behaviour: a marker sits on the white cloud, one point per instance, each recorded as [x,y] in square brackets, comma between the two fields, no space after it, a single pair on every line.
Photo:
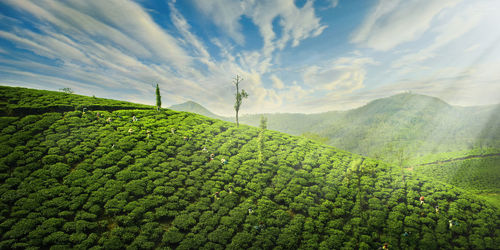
[277,83]
[297,23]
[122,23]
[25,43]
[225,14]
[182,25]
[341,76]
[393,22]
[459,21]
[295,93]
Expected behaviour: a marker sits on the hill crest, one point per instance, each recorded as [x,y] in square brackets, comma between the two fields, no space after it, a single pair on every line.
[193,107]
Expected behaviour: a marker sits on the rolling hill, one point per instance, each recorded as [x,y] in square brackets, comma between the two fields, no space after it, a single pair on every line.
[196,108]
[417,123]
[102,179]
[476,171]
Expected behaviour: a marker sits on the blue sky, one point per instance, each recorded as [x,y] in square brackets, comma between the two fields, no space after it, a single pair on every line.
[295,56]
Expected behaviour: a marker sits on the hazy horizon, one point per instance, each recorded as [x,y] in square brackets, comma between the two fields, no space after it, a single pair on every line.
[364,104]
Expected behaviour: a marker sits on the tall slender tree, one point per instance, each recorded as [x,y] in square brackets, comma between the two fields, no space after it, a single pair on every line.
[158,97]
[239,96]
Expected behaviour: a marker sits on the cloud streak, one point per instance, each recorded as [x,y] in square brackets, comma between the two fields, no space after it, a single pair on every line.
[393,22]
[296,23]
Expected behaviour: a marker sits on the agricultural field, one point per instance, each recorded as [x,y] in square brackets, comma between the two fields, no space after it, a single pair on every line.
[475,171]
[15,101]
[144,179]
[431,159]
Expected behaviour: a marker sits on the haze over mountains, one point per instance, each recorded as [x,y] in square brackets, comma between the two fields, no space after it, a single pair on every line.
[415,123]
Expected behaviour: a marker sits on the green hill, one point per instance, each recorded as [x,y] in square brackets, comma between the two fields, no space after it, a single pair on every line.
[417,123]
[70,179]
[475,171]
[196,108]
[22,101]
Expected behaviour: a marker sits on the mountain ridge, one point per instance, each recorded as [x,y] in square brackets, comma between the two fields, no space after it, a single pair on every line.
[185,106]
[419,123]
[193,107]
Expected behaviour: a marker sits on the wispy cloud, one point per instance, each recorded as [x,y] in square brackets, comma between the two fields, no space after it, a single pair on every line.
[296,23]
[277,83]
[122,23]
[341,76]
[459,23]
[393,22]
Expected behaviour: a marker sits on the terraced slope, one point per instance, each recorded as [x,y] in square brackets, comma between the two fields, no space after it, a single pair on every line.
[81,180]
[15,101]
[477,173]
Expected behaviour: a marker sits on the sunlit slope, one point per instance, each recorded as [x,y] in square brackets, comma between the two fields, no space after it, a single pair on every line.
[421,124]
[479,174]
[15,101]
[80,180]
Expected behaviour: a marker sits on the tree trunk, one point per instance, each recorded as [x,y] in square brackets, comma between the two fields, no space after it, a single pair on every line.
[237,105]
[237,123]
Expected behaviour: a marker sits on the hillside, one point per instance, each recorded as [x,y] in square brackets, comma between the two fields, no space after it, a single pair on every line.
[196,108]
[418,124]
[475,171]
[71,179]
[15,101]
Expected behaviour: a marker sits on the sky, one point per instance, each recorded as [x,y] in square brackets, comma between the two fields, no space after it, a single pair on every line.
[303,56]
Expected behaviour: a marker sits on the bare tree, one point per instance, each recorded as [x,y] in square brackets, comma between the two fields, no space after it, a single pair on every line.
[239,96]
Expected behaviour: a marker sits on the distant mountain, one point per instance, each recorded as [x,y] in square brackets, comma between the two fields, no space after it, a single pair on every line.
[394,125]
[196,108]
[414,123]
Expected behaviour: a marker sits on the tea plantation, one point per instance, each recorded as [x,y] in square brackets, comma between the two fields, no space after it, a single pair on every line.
[23,101]
[109,178]
[477,173]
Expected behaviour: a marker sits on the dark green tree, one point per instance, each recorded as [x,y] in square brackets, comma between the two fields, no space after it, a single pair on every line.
[158,97]
[239,96]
